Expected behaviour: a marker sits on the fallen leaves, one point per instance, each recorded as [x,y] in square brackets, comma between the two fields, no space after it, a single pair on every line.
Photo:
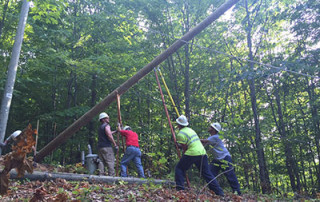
[39,194]
[18,157]
[61,190]
[42,194]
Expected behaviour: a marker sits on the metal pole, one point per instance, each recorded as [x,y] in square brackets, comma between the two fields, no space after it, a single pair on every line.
[12,70]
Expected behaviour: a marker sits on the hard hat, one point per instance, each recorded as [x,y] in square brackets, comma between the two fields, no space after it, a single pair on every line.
[103,115]
[127,128]
[182,120]
[16,133]
[216,126]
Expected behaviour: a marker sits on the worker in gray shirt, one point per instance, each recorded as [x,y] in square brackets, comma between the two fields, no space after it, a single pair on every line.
[222,158]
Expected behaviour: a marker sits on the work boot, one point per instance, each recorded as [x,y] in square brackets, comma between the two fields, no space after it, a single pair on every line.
[238,192]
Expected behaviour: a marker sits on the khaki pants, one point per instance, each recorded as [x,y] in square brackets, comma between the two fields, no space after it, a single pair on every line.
[107,157]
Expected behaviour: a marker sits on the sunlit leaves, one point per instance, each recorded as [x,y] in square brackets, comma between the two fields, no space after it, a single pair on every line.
[48,10]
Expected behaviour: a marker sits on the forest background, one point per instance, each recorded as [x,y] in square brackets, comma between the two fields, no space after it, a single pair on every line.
[76,52]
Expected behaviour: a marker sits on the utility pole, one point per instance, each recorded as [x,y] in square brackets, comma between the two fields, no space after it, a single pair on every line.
[86,118]
[12,70]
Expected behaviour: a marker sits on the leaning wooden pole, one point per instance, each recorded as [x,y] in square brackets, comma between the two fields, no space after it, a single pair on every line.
[86,118]
[118,134]
[167,114]
[169,121]
[120,122]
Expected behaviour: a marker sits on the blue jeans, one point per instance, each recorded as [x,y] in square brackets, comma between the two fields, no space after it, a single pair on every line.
[226,165]
[202,164]
[132,153]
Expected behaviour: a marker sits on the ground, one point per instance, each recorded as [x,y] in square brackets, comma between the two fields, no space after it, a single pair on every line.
[61,190]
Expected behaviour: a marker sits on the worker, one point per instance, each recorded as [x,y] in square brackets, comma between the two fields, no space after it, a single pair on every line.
[222,158]
[194,153]
[132,152]
[11,139]
[105,142]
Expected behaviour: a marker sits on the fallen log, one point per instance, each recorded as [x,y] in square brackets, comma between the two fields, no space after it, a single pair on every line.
[42,176]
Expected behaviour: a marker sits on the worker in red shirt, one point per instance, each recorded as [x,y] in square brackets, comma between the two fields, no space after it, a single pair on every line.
[132,152]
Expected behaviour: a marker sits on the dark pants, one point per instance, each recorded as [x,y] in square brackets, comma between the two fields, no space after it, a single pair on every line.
[226,165]
[202,164]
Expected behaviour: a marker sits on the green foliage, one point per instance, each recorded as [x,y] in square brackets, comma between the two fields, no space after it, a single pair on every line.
[159,163]
[121,182]
[77,52]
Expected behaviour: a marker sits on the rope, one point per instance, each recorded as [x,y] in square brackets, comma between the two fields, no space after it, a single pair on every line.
[213,179]
[169,121]
[165,85]
[167,114]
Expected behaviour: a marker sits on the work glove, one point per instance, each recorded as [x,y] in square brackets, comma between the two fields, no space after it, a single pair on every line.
[116,148]
[119,127]
[2,144]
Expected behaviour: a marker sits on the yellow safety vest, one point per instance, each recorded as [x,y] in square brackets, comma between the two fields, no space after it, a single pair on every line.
[189,137]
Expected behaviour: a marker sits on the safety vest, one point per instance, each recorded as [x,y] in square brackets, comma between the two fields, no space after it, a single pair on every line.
[190,138]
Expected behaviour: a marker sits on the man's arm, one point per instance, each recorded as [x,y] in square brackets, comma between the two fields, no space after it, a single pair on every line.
[8,140]
[204,142]
[109,135]
[182,142]
[3,144]
[184,147]
[122,132]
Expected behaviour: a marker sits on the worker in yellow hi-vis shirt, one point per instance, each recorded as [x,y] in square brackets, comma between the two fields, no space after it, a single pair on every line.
[194,153]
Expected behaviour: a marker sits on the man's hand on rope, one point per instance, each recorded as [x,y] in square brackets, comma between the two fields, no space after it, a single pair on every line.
[116,148]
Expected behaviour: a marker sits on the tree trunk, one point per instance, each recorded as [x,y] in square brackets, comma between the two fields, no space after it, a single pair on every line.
[263,172]
[91,129]
[69,102]
[173,77]
[304,171]
[264,175]
[305,129]
[283,134]
[245,168]
[284,139]
[315,123]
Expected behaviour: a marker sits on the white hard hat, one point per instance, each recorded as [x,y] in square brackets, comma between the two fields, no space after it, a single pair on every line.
[216,126]
[16,133]
[103,115]
[182,120]
[127,128]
